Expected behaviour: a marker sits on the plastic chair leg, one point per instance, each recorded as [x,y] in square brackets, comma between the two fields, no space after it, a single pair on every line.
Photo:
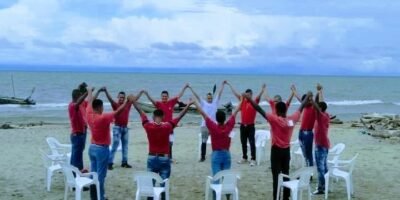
[278,191]
[78,193]
[66,191]
[49,175]
[98,190]
[137,195]
[218,195]
[294,194]
[348,187]
[327,180]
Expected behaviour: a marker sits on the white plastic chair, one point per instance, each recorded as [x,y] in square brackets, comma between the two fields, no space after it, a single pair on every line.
[335,152]
[296,155]
[342,169]
[58,149]
[299,181]
[200,142]
[145,185]
[227,184]
[261,137]
[51,165]
[79,181]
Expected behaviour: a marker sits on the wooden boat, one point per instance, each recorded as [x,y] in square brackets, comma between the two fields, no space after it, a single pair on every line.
[149,108]
[14,100]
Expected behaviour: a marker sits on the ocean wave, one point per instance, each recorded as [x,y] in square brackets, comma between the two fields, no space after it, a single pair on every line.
[339,103]
[397,103]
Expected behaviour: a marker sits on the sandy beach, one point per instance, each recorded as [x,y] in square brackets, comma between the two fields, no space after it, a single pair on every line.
[22,177]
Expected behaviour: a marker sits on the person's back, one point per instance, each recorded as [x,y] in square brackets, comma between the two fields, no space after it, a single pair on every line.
[100,126]
[321,129]
[220,133]
[282,128]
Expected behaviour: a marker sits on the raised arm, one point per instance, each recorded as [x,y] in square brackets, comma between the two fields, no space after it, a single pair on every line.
[238,107]
[184,111]
[139,94]
[320,93]
[90,96]
[110,99]
[294,91]
[80,100]
[195,94]
[237,95]
[149,97]
[131,98]
[221,90]
[137,107]
[263,88]
[316,106]
[256,106]
[305,101]
[183,90]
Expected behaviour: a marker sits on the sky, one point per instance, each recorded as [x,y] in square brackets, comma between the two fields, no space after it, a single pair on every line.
[305,36]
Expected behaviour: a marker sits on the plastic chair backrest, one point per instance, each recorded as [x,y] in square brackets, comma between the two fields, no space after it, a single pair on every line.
[303,175]
[145,181]
[261,137]
[352,163]
[53,144]
[46,160]
[337,149]
[69,174]
[228,179]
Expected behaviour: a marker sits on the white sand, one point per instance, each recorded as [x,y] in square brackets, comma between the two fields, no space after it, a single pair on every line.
[377,174]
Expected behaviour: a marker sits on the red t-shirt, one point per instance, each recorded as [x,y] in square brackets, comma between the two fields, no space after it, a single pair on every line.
[167,108]
[122,118]
[158,134]
[248,113]
[321,129]
[308,120]
[272,104]
[282,128]
[83,107]
[78,124]
[220,139]
[99,125]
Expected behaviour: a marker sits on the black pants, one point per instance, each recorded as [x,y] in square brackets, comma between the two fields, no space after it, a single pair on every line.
[247,132]
[280,161]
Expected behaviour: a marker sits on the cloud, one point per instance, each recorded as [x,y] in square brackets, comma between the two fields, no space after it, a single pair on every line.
[182,33]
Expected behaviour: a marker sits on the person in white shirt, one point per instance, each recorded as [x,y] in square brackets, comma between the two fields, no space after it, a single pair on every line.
[210,106]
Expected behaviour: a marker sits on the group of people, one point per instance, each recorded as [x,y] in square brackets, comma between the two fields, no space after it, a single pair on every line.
[86,111]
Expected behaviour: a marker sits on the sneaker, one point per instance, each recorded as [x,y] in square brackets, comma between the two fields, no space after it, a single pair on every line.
[202,160]
[173,161]
[243,161]
[126,165]
[317,192]
[110,167]
[252,163]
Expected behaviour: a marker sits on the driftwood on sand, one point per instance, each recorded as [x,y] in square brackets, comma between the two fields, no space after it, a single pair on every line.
[380,125]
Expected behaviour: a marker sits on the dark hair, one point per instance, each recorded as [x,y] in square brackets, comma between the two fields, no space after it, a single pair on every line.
[97,103]
[209,94]
[249,91]
[165,92]
[220,116]
[122,92]
[323,106]
[280,108]
[158,113]
[76,93]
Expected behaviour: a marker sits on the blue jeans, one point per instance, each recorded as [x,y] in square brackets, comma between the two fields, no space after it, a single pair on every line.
[321,156]
[98,161]
[220,160]
[306,139]
[119,133]
[78,141]
[159,165]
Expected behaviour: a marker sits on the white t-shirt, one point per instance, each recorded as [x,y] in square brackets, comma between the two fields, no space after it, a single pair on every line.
[210,109]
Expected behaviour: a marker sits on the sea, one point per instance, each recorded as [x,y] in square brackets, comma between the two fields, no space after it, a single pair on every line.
[347,97]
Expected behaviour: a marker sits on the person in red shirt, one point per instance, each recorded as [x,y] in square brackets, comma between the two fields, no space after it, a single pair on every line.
[321,139]
[278,98]
[120,129]
[167,106]
[78,127]
[220,132]
[99,124]
[158,132]
[306,135]
[281,132]
[247,129]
